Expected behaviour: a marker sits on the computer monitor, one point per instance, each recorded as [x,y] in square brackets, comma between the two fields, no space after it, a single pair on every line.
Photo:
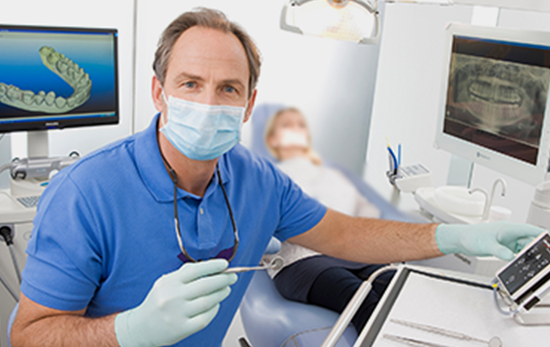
[54,77]
[494,105]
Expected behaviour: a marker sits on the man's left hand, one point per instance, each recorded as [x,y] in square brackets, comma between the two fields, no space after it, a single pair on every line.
[501,239]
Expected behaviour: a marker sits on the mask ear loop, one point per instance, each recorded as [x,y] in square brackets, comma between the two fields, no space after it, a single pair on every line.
[162,120]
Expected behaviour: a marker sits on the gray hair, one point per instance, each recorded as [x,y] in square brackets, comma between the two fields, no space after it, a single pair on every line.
[212,19]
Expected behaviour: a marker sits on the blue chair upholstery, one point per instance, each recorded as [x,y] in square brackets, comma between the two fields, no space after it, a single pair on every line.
[259,119]
[10,322]
[270,320]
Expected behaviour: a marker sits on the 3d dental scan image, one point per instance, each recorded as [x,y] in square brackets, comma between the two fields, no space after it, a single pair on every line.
[65,68]
[56,74]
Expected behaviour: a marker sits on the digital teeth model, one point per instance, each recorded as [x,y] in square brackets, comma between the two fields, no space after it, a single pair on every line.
[65,68]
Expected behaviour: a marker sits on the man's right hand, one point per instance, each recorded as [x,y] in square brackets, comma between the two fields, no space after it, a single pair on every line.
[179,304]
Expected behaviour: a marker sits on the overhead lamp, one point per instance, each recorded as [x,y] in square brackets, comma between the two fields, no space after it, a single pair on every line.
[351,20]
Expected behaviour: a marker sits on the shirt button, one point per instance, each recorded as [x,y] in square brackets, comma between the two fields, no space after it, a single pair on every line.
[202,211]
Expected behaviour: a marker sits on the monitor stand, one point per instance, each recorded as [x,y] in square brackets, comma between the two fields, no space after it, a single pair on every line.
[460,172]
[38,145]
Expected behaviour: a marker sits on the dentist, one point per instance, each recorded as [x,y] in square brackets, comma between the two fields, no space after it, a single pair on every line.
[130,242]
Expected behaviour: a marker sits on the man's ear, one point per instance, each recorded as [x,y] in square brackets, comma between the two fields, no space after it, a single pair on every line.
[250,107]
[156,92]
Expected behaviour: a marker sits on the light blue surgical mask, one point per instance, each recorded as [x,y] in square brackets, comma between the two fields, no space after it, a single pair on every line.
[202,132]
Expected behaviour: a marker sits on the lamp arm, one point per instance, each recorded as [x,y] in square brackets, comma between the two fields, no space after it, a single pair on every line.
[371,7]
[352,307]
[286,26]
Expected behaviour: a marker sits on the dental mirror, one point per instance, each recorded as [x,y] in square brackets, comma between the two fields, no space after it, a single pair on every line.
[276,264]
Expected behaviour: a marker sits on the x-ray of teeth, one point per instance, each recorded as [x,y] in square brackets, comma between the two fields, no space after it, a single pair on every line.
[65,68]
[503,98]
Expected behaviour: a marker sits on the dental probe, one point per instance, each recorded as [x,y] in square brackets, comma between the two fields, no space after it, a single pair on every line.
[493,342]
[275,264]
[412,342]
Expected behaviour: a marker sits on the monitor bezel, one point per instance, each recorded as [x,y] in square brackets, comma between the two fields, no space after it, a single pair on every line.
[41,125]
[531,174]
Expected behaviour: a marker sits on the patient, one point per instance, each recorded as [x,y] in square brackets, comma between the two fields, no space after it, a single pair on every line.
[308,276]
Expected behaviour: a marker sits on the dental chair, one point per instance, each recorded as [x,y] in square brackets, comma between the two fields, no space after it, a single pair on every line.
[10,322]
[269,319]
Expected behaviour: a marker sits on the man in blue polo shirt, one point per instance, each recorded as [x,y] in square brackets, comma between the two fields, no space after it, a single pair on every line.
[114,256]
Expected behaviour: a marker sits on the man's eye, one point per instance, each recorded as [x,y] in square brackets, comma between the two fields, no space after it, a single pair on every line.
[189,84]
[230,89]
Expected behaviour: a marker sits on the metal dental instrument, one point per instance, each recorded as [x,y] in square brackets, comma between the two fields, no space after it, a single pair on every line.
[493,342]
[275,264]
[412,342]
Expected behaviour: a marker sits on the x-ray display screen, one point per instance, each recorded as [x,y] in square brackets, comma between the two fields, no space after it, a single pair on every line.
[57,77]
[496,97]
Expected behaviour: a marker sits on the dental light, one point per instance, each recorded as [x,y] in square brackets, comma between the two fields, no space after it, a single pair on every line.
[351,20]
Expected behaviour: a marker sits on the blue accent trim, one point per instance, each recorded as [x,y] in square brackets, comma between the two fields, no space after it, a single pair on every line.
[52,31]
[393,160]
[502,42]
[27,120]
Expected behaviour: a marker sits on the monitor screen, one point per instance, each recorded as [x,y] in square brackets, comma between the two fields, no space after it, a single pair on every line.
[497,93]
[494,108]
[53,78]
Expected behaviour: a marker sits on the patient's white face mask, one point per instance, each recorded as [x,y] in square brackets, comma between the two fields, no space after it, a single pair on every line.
[293,138]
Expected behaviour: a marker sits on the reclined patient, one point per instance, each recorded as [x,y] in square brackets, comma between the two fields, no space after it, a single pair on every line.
[308,276]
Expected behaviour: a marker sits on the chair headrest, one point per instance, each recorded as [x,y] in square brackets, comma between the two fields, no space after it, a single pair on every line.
[259,119]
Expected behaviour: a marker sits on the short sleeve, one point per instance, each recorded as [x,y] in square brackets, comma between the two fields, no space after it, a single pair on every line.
[298,212]
[63,268]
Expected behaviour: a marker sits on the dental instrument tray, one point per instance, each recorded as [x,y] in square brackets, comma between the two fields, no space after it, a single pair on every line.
[525,280]
[458,308]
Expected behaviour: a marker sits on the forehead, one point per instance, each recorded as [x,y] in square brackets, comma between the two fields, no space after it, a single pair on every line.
[209,54]
[291,115]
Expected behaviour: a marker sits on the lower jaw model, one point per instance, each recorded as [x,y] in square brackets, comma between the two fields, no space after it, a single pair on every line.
[65,68]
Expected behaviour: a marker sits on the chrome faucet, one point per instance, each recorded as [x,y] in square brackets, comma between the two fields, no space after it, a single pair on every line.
[486,205]
[489,198]
[502,193]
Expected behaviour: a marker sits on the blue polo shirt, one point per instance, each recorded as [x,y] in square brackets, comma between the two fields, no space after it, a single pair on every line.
[104,228]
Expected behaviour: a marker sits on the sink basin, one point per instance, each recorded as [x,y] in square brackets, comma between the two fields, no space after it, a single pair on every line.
[458,200]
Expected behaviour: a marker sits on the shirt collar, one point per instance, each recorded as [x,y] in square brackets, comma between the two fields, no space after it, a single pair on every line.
[154,174]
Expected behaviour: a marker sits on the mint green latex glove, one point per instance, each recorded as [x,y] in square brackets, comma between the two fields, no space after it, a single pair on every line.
[179,304]
[501,239]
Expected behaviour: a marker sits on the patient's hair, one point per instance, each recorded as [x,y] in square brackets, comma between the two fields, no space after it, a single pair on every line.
[270,130]
[212,19]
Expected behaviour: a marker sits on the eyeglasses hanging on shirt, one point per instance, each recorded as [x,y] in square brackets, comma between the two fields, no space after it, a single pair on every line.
[222,254]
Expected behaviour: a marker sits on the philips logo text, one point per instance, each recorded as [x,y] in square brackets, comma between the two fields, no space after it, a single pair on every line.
[482,156]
